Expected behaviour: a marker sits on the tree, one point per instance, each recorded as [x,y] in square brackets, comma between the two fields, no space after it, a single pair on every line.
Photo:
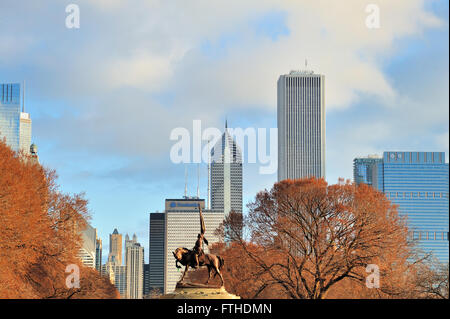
[39,233]
[306,237]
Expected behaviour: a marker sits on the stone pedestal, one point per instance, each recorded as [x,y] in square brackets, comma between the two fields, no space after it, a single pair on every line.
[200,293]
[193,287]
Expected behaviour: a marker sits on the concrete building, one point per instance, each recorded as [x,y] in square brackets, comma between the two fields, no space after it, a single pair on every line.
[115,247]
[134,258]
[117,275]
[301,125]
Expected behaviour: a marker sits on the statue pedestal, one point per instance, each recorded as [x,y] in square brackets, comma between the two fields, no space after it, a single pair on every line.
[189,291]
[194,287]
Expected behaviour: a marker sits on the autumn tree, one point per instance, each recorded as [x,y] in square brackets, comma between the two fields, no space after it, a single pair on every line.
[40,233]
[306,237]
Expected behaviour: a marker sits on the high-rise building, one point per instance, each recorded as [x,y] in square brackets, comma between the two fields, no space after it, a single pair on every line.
[115,247]
[226,175]
[117,275]
[418,183]
[87,251]
[134,257]
[365,168]
[157,240]
[182,227]
[15,124]
[146,288]
[301,125]
[98,254]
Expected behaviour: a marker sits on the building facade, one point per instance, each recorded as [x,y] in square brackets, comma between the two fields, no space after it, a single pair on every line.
[146,289]
[366,168]
[115,247]
[157,241]
[135,269]
[418,183]
[226,175]
[98,254]
[15,124]
[117,275]
[87,253]
[182,227]
[301,125]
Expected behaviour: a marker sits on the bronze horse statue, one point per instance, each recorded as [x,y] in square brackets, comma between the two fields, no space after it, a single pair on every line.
[186,257]
[196,257]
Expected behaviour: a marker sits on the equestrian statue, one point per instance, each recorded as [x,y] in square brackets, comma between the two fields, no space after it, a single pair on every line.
[196,257]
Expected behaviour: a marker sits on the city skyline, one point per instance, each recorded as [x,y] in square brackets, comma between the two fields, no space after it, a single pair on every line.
[384,92]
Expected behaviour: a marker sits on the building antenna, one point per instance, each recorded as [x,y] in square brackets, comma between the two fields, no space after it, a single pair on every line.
[185,181]
[209,172]
[198,180]
[306,64]
[23,97]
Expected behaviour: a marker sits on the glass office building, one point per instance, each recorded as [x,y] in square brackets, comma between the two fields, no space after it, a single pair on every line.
[15,124]
[366,168]
[418,183]
[157,252]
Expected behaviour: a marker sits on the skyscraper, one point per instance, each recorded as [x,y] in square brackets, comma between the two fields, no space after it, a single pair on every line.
[115,247]
[117,275]
[365,168]
[146,288]
[157,251]
[226,175]
[418,183]
[87,252]
[15,124]
[301,125]
[98,255]
[135,268]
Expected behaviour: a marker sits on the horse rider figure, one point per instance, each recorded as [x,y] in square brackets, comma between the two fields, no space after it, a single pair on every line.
[198,249]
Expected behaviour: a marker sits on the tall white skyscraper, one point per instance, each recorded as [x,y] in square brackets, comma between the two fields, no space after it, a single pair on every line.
[134,258]
[226,175]
[301,125]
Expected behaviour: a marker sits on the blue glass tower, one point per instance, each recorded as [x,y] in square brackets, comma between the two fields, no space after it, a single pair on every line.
[10,114]
[366,169]
[418,183]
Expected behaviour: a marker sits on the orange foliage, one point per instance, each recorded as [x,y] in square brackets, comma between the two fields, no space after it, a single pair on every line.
[312,240]
[39,234]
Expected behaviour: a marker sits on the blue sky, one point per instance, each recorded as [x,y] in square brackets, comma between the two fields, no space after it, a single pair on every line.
[103,98]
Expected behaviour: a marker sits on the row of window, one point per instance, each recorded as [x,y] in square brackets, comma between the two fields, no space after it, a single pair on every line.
[416,195]
[428,235]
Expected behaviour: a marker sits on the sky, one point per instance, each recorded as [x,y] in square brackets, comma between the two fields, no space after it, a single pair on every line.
[105,97]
